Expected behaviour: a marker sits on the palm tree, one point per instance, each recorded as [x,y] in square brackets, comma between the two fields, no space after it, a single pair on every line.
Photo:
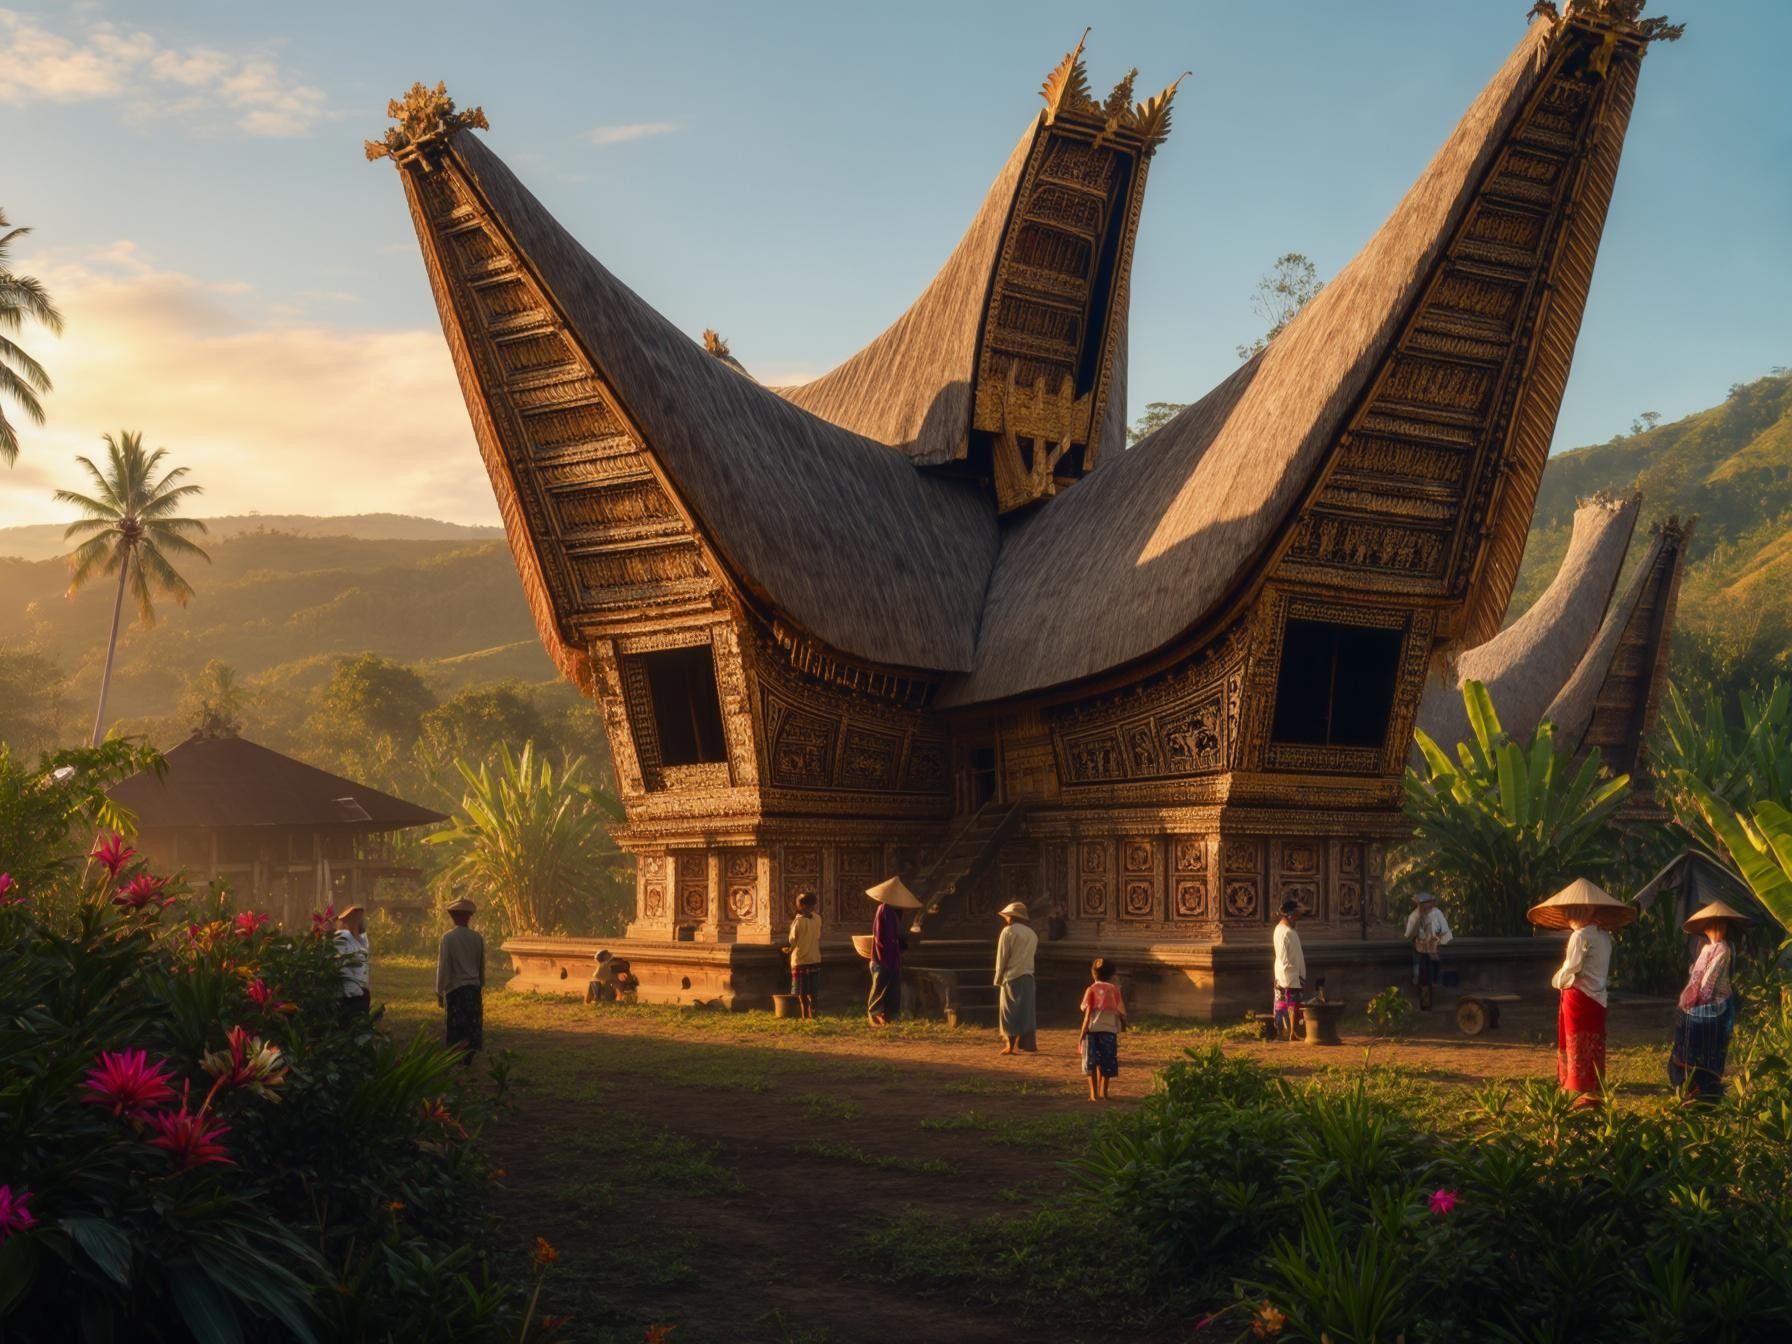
[131,522]
[21,377]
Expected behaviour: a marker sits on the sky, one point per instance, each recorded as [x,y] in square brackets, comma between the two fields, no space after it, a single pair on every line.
[245,289]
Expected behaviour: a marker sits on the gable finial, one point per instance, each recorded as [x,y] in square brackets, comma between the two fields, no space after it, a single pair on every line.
[1067,87]
[425,117]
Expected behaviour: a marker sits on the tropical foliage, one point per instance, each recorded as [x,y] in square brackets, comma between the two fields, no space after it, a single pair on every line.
[199,1146]
[1360,1214]
[1701,752]
[131,528]
[532,842]
[1505,823]
[22,378]
[1760,845]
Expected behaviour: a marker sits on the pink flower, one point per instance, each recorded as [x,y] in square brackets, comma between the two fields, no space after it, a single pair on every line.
[188,1137]
[247,923]
[1442,1201]
[126,1081]
[6,897]
[263,998]
[321,923]
[142,891]
[15,1211]
[113,853]
[248,1063]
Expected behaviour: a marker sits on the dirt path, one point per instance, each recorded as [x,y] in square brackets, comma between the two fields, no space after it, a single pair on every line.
[720,1174]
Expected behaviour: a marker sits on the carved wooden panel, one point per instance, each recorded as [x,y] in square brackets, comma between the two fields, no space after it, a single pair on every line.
[1298,875]
[693,887]
[1093,882]
[1349,879]
[859,866]
[1181,723]
[1241,878]
[1140,876]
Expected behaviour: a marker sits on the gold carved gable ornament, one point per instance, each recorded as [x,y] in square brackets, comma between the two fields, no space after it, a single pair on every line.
[425,117]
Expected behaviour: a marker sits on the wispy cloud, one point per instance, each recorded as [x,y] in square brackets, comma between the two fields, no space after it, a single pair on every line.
[634,130]
[269,406]
[42,63]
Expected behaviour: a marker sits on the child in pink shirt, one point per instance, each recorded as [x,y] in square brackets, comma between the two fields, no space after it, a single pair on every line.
[1104,1017]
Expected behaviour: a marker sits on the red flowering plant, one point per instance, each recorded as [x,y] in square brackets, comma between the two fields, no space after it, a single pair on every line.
[149,1186]
[9,893]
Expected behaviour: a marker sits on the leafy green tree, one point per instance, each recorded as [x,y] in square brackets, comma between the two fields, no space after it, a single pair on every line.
[22,378]
[1289,286]
[368,719]
[471,724]
[533,844]
[215,700]
[133,525]
[1506,823]
[49,810]
[1157,415]
[32,701]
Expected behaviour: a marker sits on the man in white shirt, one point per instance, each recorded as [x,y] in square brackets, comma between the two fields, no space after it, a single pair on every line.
[352,952]
[804,947]
[1427,930]
[1290,969]
[1015,951]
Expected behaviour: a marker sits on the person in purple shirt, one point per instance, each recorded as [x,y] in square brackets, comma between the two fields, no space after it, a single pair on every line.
[887,944]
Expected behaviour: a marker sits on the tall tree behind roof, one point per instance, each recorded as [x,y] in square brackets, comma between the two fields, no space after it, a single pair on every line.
[1287,287]
[22,378]
[133,524]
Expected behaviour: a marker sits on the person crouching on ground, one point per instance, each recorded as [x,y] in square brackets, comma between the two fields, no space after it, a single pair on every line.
[1015,951]
[1290,970]
[601,988]
[460,981]
[804,948]
[352,953]
[1104,1018]
[1427,930]
[1589,913]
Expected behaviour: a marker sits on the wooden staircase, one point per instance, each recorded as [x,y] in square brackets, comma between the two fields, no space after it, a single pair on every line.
[972,850]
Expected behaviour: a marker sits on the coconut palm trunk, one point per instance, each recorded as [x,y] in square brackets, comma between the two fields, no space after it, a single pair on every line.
[99,716]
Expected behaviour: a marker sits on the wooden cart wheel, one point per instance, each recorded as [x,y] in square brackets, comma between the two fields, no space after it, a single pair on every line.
[1471,1017]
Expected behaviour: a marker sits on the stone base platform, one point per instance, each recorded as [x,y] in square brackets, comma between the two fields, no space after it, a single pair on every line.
[1201,981]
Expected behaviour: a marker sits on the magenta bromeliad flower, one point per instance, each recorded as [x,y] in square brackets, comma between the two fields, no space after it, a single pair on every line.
[15,1211]
[113,853]
[435,1110]
[189,1137]
[142,891]
[1442,1201]
[6,888]
[126,1081]
[321,922]
[246,924]
[249,1063]
[263,998]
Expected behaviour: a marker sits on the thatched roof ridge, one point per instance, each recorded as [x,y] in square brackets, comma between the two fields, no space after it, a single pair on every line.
[1147,548]
[910,387]
[1654,585]
[1527,663]
[224,782]
[836,532]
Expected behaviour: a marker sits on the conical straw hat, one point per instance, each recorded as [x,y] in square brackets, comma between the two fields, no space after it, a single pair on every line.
[1716,910]
[891,892]
[1582,899]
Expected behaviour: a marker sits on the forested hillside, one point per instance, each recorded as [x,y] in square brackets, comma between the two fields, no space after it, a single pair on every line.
[1731,467]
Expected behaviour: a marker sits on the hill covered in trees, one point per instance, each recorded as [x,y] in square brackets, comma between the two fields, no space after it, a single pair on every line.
[1731,467]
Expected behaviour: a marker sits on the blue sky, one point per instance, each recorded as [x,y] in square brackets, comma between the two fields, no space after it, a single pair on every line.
[242,286]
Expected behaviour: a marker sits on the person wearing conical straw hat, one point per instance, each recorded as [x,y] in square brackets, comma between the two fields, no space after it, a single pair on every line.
[1015,950]
[1590,914]
[1707,1006]
[460,981]
[887,944]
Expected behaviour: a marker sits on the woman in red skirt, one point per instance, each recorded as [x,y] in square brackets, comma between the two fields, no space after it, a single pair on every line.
[1590,914]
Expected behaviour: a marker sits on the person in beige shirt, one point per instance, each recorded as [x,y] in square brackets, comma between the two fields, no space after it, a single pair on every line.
[804,947]
[460,981]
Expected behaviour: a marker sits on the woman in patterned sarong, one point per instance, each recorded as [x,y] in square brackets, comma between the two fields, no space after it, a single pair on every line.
[1707,1007]
[1589,914]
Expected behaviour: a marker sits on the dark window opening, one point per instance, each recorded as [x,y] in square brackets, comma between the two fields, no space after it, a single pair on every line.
[1335,687]
[687,714]
[983,776]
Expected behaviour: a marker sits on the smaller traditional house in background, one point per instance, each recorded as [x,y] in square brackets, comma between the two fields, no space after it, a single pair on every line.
[288,838]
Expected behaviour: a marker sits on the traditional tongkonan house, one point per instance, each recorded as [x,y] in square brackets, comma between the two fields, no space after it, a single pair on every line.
[929,615]
[289,838]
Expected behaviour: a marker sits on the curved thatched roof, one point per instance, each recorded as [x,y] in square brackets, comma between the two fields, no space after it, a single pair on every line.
[1146,548]
[838,533]
[911,386]
[1621,674]
[1527,663]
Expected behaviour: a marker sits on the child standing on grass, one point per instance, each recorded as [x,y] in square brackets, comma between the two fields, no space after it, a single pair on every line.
[805,953]
[1104,1017]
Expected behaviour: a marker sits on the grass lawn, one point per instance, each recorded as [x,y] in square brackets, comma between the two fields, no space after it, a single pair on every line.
[748,1178]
